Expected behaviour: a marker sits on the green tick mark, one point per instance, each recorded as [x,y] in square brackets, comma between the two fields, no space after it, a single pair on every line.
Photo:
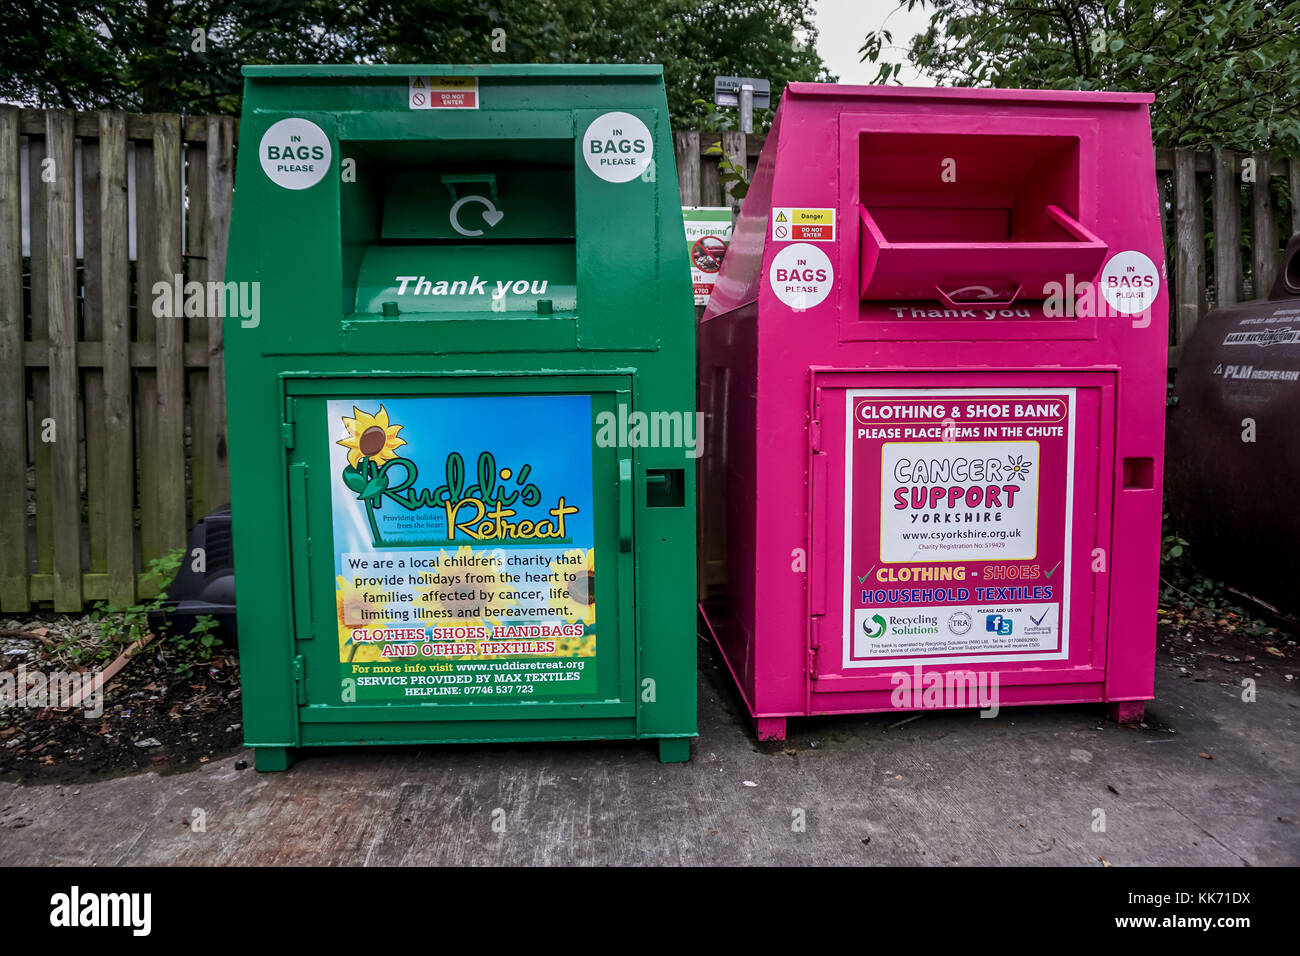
[863,579]
[1054,567]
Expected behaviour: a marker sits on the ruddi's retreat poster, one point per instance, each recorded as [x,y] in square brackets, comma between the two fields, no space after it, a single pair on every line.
[464,547]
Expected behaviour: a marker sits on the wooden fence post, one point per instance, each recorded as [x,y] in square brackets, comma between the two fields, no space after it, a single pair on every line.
[118,492]
[221,187]
[733,146]
[39,365]
[94,435]
[1189,264]
[1227,230]
[199,380]
[710,191]
[60,188]
[169,439]
[14,569]
[1263,241]
[686,144]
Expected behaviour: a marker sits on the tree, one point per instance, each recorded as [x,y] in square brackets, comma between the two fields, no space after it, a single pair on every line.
[1226,73]
[696,41]
[157,55]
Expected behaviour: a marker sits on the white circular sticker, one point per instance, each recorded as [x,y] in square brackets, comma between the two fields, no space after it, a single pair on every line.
[295,153]
[617,147]
[1130,282]
[801,275]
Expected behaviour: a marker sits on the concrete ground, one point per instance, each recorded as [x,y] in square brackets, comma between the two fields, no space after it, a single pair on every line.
[943,788]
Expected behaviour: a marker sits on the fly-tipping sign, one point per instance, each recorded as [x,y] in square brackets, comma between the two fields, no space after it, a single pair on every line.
[708,234]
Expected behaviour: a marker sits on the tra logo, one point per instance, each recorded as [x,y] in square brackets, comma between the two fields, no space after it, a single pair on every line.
[998,624]
[959,623]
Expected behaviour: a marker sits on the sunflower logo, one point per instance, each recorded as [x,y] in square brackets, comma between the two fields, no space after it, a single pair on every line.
[371,436]
[372,445]
[1018,467]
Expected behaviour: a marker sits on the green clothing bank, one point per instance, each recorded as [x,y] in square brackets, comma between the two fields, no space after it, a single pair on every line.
[462,422]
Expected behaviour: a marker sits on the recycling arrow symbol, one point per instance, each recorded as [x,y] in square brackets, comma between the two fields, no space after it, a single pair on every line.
[881,626]
[984,292]
[491,215]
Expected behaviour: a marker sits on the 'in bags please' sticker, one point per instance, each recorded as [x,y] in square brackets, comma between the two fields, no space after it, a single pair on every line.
[801,275]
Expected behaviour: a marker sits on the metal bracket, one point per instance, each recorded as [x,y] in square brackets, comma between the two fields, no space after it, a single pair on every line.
[300,678]
[453,180]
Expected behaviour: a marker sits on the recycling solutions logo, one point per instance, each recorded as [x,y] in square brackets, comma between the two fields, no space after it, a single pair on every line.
[874,626]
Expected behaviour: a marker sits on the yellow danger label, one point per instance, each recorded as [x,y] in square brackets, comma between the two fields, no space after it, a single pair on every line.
[443,93]
[813,217]
[793,224]
[453,82]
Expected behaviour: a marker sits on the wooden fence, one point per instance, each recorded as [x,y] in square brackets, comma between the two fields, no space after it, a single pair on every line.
[697,164]
[1225,264]
[112,421]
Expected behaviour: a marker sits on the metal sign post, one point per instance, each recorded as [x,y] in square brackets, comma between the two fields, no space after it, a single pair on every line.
[746,92]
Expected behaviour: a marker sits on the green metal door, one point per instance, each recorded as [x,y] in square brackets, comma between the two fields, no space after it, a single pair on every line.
[504,613]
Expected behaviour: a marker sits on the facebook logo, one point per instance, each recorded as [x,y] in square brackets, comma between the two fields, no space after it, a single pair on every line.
[997,624]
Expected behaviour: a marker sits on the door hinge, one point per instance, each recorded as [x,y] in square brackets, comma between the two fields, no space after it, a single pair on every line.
[815,435]
[300,552]
[300,678]
[815,608]
[286,434]
[812,663]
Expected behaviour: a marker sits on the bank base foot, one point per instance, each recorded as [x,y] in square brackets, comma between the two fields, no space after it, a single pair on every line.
[769,728]
[272,759]
[674,749]
[1126,711]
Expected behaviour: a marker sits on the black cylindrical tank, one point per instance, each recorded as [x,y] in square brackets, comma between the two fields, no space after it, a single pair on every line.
[1233,469]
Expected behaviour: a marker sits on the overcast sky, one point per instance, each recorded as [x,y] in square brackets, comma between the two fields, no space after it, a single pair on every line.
[842,25]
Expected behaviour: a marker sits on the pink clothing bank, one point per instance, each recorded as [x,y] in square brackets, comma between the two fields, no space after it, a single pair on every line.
[933,373]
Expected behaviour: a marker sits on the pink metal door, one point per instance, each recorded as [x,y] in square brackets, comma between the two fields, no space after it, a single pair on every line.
[960,522]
